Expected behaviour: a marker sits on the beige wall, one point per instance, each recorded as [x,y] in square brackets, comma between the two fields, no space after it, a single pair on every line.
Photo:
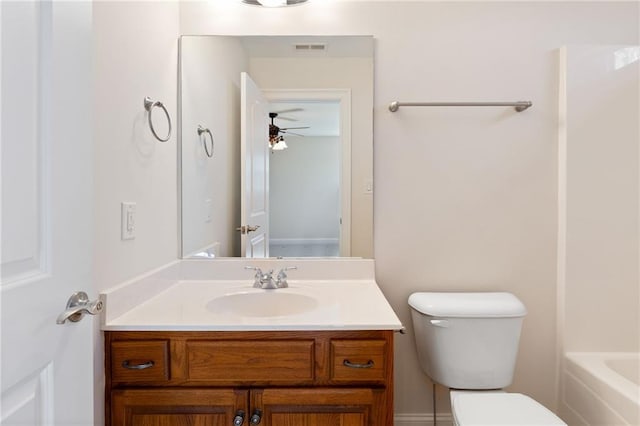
[135,50]
[465,199]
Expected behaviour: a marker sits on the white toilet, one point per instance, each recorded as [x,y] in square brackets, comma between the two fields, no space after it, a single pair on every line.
[469,342]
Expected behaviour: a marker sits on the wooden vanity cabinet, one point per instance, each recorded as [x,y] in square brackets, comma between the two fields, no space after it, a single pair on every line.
[288,378]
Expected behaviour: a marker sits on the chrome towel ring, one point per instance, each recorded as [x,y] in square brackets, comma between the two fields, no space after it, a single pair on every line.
[149,105]
[202,130]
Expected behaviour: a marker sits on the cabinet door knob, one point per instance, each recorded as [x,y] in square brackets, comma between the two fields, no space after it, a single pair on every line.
[256,417]
[238,420]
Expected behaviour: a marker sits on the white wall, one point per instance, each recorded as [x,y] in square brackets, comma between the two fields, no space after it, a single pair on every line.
[210,78]
[465,199]
[304,189]
[135,51]
[135,55]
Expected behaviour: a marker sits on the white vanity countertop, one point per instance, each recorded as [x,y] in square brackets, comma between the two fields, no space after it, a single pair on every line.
[223,304]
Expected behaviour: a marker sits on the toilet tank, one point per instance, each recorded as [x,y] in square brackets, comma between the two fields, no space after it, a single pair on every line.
[467,340]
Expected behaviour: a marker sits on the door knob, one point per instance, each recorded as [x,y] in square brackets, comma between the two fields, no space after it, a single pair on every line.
[246,229]
[78,305]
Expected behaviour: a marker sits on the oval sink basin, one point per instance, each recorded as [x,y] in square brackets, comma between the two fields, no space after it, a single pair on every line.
[268,303]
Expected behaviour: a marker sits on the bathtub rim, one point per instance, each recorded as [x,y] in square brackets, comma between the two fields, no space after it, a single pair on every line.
[590,369]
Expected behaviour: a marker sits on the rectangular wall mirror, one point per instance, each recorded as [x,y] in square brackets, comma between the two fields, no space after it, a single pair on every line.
[276,146]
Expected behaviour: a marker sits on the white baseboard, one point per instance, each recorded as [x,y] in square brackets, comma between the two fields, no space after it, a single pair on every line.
[422,419]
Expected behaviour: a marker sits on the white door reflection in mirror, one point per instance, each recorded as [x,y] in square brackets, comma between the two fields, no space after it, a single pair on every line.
[254,135]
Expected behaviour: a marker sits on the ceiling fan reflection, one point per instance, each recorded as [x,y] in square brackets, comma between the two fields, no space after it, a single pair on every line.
[275,132]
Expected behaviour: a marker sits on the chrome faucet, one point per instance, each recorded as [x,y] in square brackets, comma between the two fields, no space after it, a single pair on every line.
[261,279]
[281,280]
[266,281]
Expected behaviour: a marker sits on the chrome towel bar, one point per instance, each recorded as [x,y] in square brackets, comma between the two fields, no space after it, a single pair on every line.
[518,105]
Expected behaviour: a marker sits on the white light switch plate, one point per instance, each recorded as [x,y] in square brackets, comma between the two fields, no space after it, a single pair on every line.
[128,221]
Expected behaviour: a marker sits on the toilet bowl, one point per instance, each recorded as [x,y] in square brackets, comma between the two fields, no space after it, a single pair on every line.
[469,343]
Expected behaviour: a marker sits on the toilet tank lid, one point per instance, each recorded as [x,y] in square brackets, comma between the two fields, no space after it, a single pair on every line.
[468,305]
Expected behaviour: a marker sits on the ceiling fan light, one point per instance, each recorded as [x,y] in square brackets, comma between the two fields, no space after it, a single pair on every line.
[280,145]
[273,3]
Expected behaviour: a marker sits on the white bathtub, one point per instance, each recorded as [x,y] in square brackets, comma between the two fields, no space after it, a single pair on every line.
[601,388]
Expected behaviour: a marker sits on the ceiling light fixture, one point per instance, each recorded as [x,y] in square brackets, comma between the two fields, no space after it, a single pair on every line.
[280,145]
[277,143]
[274,3]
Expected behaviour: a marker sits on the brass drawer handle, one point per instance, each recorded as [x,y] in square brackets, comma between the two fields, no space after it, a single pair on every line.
[350,364]
[141,366]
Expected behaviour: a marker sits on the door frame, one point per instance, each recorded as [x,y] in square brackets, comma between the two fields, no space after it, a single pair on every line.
[343,97]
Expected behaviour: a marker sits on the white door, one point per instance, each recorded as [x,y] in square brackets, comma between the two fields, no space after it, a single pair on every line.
[47,369]
[254,160]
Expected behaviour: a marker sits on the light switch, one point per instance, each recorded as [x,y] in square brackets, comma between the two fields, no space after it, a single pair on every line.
[128,221]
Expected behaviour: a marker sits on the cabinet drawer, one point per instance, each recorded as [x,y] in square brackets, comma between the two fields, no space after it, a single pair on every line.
[358,360]
[268,361]
[140,361]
